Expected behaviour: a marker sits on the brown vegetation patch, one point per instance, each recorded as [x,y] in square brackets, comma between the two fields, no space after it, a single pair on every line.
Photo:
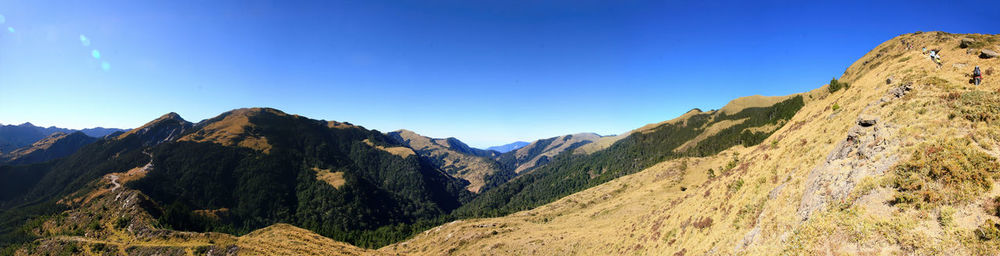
[233,130]
[335,179]
[946,172]
[403,152]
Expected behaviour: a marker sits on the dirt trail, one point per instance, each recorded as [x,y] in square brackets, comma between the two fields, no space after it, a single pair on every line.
[114,180]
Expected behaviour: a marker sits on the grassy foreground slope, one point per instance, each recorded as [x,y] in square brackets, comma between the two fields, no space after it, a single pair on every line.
[905,165]
[698,134]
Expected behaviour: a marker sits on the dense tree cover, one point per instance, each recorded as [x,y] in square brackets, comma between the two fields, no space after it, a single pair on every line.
[30,192]
[569,173]
[385,198]
[384,194]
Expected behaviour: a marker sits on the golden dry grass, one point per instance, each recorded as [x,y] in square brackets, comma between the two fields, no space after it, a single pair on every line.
[470,168]
[647,213]
[403,152]
[335,179]
[232,130]
[754,208]
[284,239]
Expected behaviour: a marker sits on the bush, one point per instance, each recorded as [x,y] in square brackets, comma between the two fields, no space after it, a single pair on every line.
[989,231]
[736,185]
[978,106]
[835,107]
[122,222]
[837,85]
[946,216]
[944,172]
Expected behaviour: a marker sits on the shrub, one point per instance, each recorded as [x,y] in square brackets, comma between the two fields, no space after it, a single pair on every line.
[122,222]
[711,173]
[703,223]
[735,185]
[946,216]
[989,231]
[837,85]
[944,172]
[835,107]
[978,106]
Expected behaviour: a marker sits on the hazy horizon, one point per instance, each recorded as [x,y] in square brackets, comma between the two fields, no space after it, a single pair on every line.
[487,73]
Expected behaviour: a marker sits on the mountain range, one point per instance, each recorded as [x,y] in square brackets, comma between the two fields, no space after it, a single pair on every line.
[896,156]
[509,147]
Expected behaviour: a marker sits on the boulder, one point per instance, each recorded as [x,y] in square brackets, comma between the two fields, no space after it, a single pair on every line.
[986,54]
[867,120]
[889,80]
[901,90]
[966,42]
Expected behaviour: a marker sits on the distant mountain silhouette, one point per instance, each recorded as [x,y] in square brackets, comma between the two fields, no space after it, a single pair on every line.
[509,147]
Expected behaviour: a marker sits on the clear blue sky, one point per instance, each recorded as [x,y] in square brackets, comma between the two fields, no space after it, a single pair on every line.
[486,72]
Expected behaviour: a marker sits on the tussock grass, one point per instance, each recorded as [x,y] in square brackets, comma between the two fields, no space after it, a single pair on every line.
[944,172]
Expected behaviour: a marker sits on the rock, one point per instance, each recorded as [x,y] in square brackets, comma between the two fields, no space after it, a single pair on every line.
[867,120]
[900,90]
[889,80]
[966,42]
[986,54]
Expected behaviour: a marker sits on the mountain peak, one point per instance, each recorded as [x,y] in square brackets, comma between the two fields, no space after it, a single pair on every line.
[165,128]
[231,129]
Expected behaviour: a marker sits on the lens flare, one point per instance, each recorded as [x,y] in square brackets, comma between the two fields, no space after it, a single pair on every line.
[11,29]
[105,66]
[84,40]
[96,54]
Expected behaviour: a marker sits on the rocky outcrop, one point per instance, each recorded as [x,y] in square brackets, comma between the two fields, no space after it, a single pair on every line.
[986,54]
[868,149]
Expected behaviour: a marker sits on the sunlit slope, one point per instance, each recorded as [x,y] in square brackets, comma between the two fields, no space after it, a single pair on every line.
[694,134]
[453,157]
[902,166]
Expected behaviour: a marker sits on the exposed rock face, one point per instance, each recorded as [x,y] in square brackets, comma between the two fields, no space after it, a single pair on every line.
[986,54]
[966,42]
[866,151]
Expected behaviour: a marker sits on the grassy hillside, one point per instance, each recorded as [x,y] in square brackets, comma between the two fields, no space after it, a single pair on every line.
[569,173]
[218,183]
[906,165]
[897,156]
[453,157]
[56,145]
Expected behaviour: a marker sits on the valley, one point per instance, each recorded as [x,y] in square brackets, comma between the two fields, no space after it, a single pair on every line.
[896,156]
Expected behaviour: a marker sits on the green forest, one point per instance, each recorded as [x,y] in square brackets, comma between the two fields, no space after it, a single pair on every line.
[385,198]
[568,173]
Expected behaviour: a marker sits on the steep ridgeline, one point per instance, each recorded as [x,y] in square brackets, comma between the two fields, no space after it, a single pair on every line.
[13,137]
[896,157]
[509,147]
[696,134]
[36,191]
[453,157]
[54,146]
[243,170]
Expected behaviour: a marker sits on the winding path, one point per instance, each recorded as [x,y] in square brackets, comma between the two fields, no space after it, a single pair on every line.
[114,180]
[114,177]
